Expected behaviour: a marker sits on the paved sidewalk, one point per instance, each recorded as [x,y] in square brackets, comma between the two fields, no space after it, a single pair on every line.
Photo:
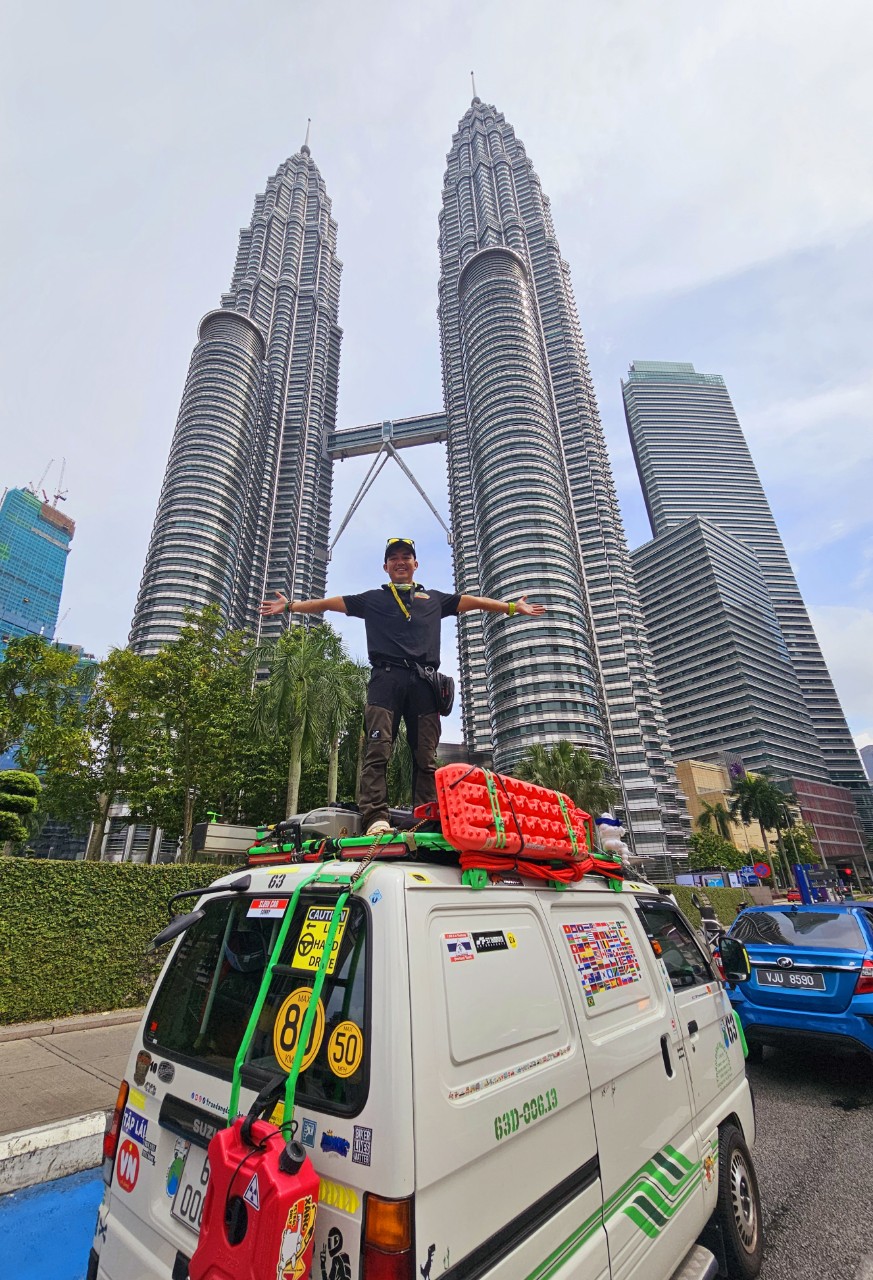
[57,1082]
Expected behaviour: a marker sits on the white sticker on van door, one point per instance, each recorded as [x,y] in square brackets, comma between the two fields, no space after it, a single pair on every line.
[603,955]
[459,946]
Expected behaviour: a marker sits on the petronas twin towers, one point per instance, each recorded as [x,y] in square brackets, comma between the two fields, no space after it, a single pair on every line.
[245,504]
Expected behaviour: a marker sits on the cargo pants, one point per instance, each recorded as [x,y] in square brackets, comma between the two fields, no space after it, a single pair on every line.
[394,693]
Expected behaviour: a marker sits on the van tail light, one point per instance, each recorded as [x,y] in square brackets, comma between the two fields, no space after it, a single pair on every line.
[110,1138]
[387,1252]
[864,985]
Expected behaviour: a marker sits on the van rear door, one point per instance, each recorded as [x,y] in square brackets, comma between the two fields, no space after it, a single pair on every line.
[506,1165]
[182,1073]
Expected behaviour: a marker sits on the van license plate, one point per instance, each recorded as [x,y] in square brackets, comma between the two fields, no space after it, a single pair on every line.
[191,1191]
[791,978]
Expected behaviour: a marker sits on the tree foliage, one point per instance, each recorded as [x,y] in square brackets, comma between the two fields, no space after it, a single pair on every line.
[757,798]
[42,697]
[714,817]
[572,770]
[709,849]
[209,724]
[19,798]
[797,841]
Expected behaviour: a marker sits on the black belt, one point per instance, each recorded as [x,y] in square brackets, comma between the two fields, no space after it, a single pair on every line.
[409,665]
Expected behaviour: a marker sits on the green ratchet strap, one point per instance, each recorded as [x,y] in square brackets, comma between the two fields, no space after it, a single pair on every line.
[423,840]
[261,997]
[318,984]
[570,832]
[495,808]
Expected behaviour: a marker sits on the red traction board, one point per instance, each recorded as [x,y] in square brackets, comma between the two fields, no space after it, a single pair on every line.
[482,811]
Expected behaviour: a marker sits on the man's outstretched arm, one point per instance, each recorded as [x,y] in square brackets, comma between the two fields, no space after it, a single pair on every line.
[333,604]
[512,607]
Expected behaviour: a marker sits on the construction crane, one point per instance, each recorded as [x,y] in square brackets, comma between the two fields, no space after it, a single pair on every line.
[61,492]
[35,488]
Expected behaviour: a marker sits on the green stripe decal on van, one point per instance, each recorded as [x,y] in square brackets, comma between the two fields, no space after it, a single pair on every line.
[650,1198]
[559,1256]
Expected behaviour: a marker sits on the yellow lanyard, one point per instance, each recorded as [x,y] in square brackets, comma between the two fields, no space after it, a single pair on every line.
[396,594]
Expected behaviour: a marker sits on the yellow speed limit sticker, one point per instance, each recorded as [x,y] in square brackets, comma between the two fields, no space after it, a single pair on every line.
[286,1029]
[313,936]
[345,1049]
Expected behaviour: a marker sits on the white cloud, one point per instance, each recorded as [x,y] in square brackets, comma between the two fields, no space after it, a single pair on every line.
[680,144]
[818,449]
[846,638]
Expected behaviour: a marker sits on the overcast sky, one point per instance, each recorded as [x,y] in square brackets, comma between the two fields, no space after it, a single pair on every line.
[712,189]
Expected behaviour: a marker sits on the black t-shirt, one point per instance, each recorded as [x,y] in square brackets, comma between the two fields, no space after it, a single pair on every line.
[391,637]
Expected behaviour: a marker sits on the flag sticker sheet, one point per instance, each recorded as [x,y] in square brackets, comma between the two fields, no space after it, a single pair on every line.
[603,955]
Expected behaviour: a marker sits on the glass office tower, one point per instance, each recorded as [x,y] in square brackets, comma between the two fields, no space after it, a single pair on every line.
[35,541]
[693,460]
[724,673]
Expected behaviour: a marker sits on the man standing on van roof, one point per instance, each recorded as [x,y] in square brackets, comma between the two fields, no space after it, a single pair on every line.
[402,622]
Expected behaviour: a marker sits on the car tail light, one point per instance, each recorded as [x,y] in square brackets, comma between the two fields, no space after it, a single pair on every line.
[110,1138]
[864,985]
[387,1253]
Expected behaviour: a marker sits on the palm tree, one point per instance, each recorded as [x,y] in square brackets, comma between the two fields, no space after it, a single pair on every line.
[345,695]
[563,767]
[717,816]
[758,798]
[292,700]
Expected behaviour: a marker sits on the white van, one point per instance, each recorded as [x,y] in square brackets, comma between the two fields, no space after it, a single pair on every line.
[506,1082]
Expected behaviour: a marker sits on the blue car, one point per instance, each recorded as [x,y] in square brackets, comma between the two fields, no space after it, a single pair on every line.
[812,975]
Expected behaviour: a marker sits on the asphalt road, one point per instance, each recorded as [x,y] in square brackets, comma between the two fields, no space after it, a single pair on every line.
[814,1157]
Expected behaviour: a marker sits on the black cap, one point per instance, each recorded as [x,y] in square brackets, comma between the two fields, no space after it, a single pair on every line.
[399,544]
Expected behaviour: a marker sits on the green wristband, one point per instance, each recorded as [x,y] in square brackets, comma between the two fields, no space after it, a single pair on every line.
[511,612]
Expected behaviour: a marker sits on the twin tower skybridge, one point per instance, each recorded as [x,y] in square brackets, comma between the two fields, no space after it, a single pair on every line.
[384,439]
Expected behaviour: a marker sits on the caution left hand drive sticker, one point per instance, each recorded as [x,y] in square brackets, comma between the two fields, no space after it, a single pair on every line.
[313,936]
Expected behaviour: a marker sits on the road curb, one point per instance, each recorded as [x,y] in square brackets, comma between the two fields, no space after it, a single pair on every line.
[51,1151]
[82,1022]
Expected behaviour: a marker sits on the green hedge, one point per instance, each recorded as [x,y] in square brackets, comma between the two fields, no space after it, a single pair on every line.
[724,901]
[73,934]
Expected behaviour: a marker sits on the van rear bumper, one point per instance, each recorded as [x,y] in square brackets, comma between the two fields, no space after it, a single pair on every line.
[698,1264]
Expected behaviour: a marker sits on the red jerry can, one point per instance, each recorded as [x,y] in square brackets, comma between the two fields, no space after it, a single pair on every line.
[259,1213]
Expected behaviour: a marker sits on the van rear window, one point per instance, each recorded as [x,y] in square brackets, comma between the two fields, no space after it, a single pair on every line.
[207,995]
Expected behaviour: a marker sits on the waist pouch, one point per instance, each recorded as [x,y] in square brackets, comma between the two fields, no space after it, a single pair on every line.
[443,687]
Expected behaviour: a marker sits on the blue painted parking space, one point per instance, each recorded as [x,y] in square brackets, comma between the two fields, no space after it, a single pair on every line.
[47,1230]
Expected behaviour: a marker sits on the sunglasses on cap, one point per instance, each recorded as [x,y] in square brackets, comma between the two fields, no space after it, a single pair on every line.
[397,544]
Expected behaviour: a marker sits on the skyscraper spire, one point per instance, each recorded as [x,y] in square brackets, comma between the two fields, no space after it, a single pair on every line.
[473,79]
[533,501]
[305,148]
[245,505]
